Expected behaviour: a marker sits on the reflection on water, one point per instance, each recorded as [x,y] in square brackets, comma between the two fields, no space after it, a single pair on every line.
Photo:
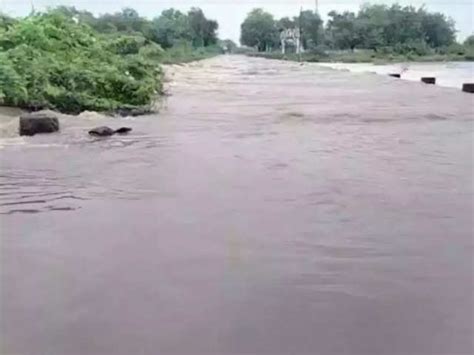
[270,208]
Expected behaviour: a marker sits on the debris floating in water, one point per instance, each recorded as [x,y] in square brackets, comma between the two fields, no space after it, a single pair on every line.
[107,131]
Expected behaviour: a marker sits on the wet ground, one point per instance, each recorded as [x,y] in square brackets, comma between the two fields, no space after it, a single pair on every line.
[270,208]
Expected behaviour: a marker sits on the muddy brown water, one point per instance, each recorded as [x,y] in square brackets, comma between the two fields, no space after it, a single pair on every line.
[270,208]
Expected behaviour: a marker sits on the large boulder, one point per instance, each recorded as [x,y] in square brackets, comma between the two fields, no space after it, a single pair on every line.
[38,122]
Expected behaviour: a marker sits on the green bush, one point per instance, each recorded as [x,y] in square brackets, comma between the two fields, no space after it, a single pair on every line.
[12,85]
[469,53]
[469,42]
[413,48]
[51,61]
[455,49]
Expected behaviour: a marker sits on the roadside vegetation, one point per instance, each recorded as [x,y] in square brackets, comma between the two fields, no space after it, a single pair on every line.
[377,33]
[71,61]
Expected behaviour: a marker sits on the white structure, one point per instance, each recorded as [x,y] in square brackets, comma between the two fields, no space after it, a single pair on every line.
[291,35]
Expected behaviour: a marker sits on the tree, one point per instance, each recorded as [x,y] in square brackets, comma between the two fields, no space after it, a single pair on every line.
[170,27]
[285,23]
[311,27]
[81,16]
[372,20]
[210,33]
[404,25]
[343,30]
[228,45]
[128,20]
[469,42]
[439,31]
[173,27]
[203,31]
[403,29]
[259,30]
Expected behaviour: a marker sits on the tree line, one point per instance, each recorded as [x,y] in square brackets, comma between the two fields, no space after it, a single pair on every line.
[172,27]
[376,27]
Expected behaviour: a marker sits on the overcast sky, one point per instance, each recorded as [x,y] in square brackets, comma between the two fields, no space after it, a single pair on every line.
[230,14]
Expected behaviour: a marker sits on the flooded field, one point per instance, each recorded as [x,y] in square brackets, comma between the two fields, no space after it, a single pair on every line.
[270,208]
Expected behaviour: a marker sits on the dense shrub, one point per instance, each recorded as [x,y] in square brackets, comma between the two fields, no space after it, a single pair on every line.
[469,42]
[413,48]
[51,60]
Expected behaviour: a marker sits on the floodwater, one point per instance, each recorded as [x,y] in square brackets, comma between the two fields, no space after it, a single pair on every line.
[447,74]
[270,208]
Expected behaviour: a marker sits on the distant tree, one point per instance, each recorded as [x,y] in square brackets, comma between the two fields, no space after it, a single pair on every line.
[285,23]
[128,20]
[311,27]
[203,31]
[228,45]
[403,29]
[343,31]
[469,42]
[171,27]
[405,24]
[82,16]
[259,30]
[210,33]
[372,21]
[439,31]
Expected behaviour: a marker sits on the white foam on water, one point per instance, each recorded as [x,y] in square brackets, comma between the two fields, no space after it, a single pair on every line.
[449,74]
[5,142]
[8,127]
[72,129]
[91,116]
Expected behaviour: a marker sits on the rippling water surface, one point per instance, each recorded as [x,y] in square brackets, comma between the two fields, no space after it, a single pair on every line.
[270,208]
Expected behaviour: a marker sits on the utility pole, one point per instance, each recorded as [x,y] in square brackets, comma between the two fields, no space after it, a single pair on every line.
[316,6]
[299,41]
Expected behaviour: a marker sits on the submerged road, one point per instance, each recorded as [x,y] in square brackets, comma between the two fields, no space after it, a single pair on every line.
[270,208]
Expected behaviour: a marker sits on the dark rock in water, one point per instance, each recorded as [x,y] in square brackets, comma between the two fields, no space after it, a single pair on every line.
[107,131]
[395,75]
[123,130]
[468,87]
[38,122]
[102,131]
[429,80]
